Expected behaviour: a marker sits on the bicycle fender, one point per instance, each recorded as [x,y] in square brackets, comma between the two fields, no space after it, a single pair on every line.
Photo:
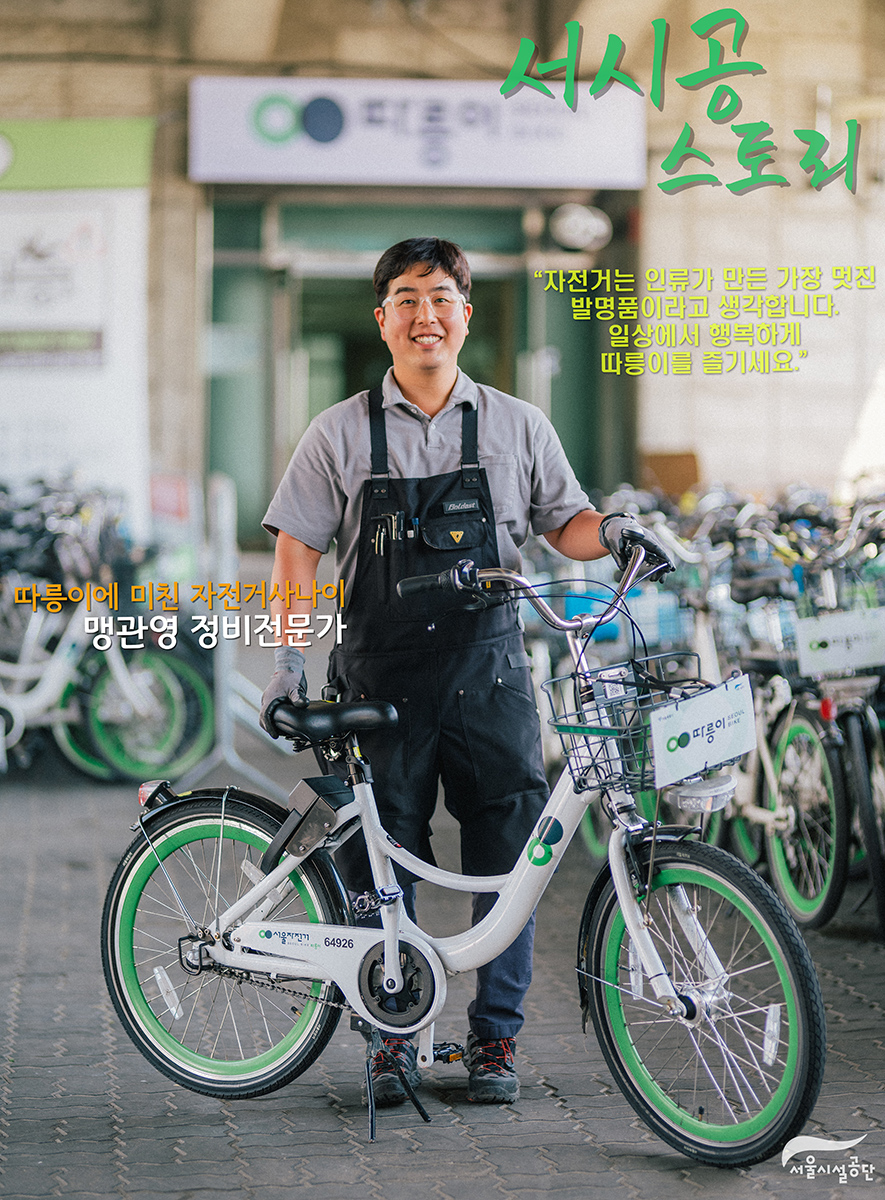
[262,804]
[170,799]
[663,833]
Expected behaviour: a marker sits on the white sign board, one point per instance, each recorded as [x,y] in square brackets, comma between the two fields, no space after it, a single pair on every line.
[73,305]
[445,133]
[842,641]
[693,736]
[73,356]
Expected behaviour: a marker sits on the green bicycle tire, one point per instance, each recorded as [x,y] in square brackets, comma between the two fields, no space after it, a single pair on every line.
[808,863]
[215,1035]
[733,1083]
[76,746]
[179,731]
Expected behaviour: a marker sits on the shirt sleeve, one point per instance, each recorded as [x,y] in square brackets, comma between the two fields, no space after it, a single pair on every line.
[309,504]
[556,494]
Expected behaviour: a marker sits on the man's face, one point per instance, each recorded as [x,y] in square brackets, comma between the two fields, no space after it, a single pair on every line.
[423,320]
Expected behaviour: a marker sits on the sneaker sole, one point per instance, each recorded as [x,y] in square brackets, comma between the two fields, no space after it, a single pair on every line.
[389,1091]
[494,1093]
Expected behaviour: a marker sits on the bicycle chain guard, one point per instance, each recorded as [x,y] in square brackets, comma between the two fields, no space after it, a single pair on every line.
[405,1008]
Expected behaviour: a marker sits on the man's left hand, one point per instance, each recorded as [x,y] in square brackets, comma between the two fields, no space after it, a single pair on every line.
[619,533]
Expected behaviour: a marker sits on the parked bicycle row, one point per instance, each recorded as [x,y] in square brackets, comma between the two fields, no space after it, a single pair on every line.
[789,594]
[112,713]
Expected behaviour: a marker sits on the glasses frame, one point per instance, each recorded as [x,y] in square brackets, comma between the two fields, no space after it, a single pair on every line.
[402,312]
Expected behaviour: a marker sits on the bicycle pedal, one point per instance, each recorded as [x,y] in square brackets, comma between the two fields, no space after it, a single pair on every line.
[447,1052]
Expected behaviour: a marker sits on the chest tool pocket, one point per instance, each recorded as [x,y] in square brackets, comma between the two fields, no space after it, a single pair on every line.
[460,526]
[423,526]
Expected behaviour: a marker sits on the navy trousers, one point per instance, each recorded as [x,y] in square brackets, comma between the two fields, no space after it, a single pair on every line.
[468,719]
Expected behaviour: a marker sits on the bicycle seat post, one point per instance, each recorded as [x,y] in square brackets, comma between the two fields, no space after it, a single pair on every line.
[359,769]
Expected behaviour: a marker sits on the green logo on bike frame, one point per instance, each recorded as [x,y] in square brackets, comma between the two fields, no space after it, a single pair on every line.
[540,848]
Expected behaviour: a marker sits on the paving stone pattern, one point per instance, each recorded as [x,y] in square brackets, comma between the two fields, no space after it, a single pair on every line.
[83,1115]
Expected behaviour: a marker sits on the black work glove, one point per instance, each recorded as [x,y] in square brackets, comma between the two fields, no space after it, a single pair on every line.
[619,533]
[287,685]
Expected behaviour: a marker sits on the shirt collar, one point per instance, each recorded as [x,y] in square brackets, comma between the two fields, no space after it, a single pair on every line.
[465,391]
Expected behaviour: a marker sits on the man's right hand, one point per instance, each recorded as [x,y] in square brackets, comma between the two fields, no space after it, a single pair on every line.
[287,685]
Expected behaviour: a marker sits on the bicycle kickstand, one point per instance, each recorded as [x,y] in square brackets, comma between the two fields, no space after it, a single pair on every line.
[374,1046]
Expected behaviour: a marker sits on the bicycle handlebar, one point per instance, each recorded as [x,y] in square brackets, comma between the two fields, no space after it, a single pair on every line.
[465,577]
[416,584]
[706,556]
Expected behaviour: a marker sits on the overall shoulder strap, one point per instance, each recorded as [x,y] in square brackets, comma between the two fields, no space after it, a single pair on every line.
[469,446]
[378,433]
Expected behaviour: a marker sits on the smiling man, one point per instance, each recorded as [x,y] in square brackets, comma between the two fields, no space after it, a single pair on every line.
[406,479]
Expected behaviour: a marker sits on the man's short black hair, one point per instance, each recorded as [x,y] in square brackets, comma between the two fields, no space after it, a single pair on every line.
[433,252]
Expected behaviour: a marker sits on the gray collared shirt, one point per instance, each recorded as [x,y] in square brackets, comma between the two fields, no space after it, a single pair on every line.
[319,499]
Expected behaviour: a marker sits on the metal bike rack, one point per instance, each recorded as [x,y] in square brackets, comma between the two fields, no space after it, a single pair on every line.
[237,699]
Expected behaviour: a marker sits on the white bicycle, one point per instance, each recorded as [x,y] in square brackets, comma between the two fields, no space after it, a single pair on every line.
[231,949]
[113,715]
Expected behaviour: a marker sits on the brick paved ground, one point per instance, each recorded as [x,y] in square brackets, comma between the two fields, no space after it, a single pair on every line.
[81,1114]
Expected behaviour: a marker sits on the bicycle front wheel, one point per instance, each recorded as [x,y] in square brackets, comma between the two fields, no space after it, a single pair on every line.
[227,1034]
[731,1082]
[809,860]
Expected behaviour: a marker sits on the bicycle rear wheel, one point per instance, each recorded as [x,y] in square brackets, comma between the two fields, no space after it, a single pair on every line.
[808,861]
[733,1081]
[230,1035]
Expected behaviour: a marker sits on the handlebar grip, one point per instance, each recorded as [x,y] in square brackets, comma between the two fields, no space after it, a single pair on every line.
[655,554]
[423,583]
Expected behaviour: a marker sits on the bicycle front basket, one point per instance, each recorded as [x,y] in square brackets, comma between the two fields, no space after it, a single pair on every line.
[602,716]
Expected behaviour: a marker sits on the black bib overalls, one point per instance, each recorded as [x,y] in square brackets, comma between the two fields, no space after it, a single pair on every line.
[460,682]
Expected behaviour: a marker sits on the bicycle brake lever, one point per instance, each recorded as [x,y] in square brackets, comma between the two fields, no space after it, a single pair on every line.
[463,576]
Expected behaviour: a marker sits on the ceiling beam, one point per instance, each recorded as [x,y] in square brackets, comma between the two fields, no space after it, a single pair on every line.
[234,31]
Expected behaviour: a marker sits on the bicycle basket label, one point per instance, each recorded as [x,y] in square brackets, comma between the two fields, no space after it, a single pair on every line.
[693,736]
[839,641]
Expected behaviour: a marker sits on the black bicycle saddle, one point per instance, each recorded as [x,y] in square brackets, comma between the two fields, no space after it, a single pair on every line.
[320,720]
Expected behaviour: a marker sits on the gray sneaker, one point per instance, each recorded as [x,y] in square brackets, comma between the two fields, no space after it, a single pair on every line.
[386,1083]
[492,1078]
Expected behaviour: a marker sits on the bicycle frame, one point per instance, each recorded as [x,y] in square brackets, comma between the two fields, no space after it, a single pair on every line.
[336,953]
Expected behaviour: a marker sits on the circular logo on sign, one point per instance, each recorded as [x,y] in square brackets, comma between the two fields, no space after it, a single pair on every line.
[277,118]
[322,119]
[678,743]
